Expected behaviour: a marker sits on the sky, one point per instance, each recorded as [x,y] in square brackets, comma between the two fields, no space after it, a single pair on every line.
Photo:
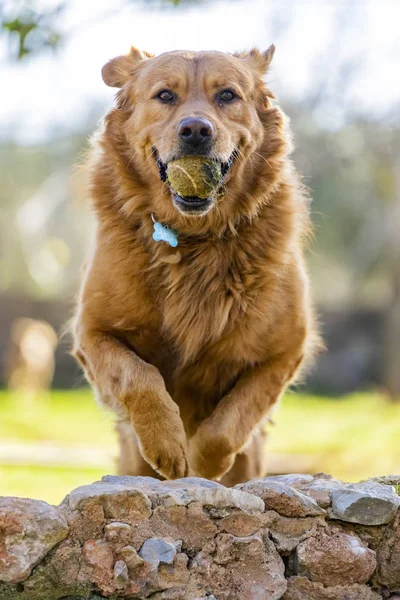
[60,91]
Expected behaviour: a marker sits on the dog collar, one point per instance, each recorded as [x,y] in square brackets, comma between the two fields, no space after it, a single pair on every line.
[163,233]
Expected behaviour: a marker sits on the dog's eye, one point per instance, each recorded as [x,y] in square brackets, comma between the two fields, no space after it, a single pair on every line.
[166,96]
[227,96]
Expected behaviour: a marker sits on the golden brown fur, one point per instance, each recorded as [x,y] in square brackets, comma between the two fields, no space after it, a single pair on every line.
[193,346]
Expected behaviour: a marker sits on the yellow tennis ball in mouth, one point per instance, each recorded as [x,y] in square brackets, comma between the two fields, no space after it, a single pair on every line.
[194,176]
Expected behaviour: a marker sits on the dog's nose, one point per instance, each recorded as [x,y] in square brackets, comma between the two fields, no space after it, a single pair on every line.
[195,131]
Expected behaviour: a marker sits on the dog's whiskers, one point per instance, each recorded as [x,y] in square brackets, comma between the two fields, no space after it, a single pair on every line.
[263,157]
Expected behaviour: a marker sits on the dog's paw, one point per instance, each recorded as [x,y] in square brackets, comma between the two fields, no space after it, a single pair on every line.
[210,467]
[167,457]
[210,455]
[163,446]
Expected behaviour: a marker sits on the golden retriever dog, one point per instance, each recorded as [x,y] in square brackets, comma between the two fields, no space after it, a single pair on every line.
[193,345]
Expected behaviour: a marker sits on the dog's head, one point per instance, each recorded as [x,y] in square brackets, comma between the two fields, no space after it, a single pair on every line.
[182,103]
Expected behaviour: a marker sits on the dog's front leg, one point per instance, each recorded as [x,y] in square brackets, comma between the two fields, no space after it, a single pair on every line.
[213,448]
[134,388]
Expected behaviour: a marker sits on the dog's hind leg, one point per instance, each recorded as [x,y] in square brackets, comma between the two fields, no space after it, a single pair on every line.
[250,463]
[130,460]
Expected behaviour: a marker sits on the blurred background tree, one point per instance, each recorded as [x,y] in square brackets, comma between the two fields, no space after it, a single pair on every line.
[32,27]
[29,30]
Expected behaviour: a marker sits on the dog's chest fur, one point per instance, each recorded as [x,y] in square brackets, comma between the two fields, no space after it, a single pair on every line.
[216,293]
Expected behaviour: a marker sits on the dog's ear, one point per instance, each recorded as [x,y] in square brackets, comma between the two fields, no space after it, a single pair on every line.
[268,55]
[117,71]
[261,60]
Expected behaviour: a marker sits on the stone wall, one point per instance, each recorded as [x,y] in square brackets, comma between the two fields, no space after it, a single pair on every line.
[294,537]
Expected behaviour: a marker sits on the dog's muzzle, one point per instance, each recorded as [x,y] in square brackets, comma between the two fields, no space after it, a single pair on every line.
[193,205]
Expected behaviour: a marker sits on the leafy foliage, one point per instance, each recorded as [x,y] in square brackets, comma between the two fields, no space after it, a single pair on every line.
[30,31]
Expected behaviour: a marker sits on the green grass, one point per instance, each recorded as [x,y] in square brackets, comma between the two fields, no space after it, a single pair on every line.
[66,418]
[44,483]
[351,438]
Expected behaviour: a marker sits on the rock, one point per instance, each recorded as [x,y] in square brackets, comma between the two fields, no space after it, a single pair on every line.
[322,498]
[288,532]
[98,554]
[99,558]
[317,487]
[179,593]
[250,564]
[393,480]
[119,501]
[280,497]
[121,576]
[190,524]
[336,559]
[240,524]
[29,530]
[174,575]
[65,563]
[85,524]
[296,480]
[323,484]
[367,503]
[187,490]
[370,536]
[62,569]
[156,551]
[300,588]
[117,531]
[388,554]
[131,559]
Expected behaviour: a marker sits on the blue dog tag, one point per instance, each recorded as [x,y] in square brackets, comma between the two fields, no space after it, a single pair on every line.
[165,234]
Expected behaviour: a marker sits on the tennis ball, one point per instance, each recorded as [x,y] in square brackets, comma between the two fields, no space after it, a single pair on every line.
[194,176]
